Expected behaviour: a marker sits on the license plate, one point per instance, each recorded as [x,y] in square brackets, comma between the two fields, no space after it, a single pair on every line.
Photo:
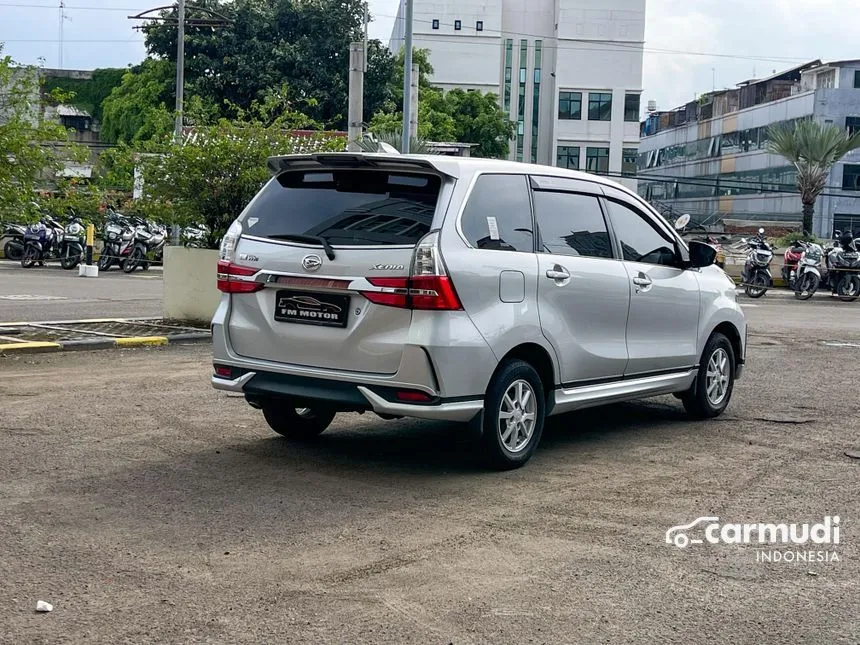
[326,309]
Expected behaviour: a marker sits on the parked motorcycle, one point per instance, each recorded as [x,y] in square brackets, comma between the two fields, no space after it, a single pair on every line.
[149,238]
[843,263]
[14,247]
[792,260]
[195,236]
[118,240]
[808,270]
[72,244]
[41,242]
[756,275]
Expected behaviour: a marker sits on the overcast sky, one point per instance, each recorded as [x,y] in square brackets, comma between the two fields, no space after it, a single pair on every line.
[751,36]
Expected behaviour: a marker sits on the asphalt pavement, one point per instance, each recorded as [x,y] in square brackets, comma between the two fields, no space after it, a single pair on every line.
[149,508]
[50,293]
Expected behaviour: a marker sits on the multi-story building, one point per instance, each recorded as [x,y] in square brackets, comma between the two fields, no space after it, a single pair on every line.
[709,158]
[568,72]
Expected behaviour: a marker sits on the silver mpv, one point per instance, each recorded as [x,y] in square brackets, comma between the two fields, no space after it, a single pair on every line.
[483,292]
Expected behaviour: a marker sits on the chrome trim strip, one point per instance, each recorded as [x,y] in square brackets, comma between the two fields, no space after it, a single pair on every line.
[461,411]
[304,245]
[593,395]
[235,385]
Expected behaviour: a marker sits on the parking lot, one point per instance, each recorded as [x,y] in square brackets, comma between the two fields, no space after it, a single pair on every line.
[149,508]
[50,293]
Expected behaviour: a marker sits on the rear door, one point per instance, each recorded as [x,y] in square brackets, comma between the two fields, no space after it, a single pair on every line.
[311,312]
[583,290]
[663,325]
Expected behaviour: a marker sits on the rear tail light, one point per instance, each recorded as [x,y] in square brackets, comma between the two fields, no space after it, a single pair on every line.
[233,278]
[428,288]
[222,371]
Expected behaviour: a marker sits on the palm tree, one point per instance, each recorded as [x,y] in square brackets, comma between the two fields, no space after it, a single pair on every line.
[813,149]
[394,139]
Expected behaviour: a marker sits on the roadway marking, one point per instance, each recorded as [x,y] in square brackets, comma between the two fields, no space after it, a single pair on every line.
[31,297]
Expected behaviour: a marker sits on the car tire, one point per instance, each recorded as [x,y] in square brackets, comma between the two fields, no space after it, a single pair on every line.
[513,417]
[299,424]
[715,381]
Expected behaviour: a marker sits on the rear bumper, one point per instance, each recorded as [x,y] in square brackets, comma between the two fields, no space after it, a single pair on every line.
[258,386]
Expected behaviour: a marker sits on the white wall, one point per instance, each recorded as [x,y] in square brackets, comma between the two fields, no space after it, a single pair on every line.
[190,291]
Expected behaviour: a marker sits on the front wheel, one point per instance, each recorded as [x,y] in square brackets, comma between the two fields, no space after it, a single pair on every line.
[806,286]
[133,261]
[757,285]
[300,424]
[848,288]
[715,381]
[30,257]
[514,410]
[69,258]
[105,260]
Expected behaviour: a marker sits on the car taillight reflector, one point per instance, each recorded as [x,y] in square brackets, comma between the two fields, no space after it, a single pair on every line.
[426,292]
[233,278]
[413,396]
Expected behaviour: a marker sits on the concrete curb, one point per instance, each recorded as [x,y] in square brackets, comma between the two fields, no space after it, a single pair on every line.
[103,343]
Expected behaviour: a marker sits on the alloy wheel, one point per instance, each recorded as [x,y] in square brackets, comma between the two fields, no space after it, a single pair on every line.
[717,378]
[517,416]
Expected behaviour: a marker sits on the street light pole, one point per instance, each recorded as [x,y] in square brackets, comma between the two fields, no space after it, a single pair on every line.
[180,71]
[407,77]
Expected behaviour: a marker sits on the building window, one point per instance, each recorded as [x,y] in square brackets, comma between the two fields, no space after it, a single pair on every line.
[436,24]
[479,26]
[851,177]
[597,160]
[852,125]
[857,80]
[631,108]
[458,25]
[570,106]
[536,99]
[509,54]
[567,157]
[599,106]
[629,157]
[521,111]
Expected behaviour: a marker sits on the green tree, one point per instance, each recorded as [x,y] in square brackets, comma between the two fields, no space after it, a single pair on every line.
[303,44]
[88,94]
[813,149]
[137,110]
[31,147]
[214,173]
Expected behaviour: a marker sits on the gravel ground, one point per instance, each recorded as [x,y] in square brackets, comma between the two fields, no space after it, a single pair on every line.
[149,508]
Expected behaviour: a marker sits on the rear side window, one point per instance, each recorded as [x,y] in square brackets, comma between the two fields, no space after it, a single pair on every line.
[347,206]
[571,224]
[498,214]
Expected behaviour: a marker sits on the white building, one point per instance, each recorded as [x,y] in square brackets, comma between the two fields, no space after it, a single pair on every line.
[568,72]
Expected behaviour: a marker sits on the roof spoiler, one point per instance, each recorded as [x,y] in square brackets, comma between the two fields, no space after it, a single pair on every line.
[283,163]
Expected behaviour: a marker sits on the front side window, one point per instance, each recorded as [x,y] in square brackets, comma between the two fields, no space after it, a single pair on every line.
[498,214]
[599,106]
[639,238]
[570,106]
[597,160]
[571,224]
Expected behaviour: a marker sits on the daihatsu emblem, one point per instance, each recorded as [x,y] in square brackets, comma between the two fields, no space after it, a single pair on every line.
[312,262]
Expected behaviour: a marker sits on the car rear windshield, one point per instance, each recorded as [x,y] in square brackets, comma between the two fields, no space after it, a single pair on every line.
[346,206]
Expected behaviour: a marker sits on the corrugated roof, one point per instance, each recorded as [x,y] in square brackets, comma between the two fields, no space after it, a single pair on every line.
[71,110]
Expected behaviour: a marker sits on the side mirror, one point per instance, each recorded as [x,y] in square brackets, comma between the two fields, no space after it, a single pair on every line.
[682,222]
[701,254]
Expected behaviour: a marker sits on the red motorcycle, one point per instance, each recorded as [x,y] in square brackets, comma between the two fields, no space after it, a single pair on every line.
[792,260]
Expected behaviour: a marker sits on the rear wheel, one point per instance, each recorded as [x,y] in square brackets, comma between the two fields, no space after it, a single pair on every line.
[514,410]
[848,288]
[757,286]
[712,389]
[807,286]
[13,251]
[299,424]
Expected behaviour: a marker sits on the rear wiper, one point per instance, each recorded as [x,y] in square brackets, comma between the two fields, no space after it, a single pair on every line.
[319,239]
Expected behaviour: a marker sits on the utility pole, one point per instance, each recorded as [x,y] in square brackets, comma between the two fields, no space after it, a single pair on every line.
[407,76]
[62,19]
[180,71]
[356,95]
[413,103]
[366,23]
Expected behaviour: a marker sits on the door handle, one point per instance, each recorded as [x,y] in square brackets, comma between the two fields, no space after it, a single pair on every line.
[642,281]
[557,273]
